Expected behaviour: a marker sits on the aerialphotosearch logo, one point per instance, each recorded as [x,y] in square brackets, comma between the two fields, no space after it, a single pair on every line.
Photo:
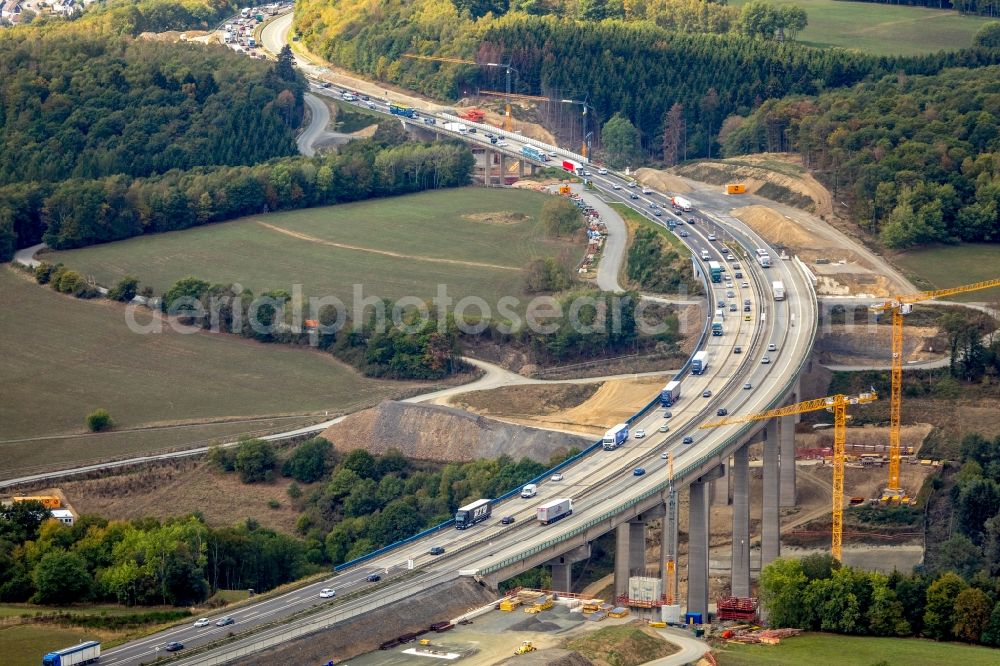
[233,310]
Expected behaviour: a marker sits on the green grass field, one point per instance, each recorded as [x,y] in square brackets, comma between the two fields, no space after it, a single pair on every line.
[64,357]
[954,265]
[474,240]
[26,644]
[633,216]
[855,651]
[883,29]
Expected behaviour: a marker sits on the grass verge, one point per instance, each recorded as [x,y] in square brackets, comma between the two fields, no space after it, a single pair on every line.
[854,651]
[954,265]
[883,29]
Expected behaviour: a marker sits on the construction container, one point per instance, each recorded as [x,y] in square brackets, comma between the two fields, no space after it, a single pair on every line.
[48,501]
[671,614]
[693,618]
[618,612]
[736,188]
[644,590]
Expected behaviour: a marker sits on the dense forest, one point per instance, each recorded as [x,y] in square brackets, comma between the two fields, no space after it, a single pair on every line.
[636,68]
[77,105]
[918,156]
[78,212]
[353,503]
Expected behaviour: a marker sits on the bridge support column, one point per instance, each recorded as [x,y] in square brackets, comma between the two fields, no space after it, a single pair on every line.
[668,547]
[786,439]
[630,553]
[741,522]
[520,169]
[698,530]
[698,515]
[770,539]
[503,170]
[562,567]
[720,487]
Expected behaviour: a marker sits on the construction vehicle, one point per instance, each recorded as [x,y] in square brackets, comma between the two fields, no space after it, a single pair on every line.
[508,120]
[736,188]
[48,501]
[524,648]
[838,405]
[900,306]
[564,190]
[473,115]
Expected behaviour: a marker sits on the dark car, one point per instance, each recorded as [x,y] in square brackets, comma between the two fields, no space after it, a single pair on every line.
[507,520]
[689,440]
[436,550]
[738,275]
[638,471]
[173,646]
[490,135]
[691,220]
[707,393]
[657,212]
[737,349]
[225,621]
[430,121]
[633,195]
[722,411]
[373,578]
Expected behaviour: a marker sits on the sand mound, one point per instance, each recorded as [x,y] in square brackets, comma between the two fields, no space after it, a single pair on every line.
[661,181]
[446,434]
[774,226]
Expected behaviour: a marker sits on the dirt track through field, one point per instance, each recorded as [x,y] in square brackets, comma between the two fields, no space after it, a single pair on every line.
[387,253]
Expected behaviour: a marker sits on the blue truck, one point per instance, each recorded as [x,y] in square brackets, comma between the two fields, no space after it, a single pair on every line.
[670,394]
[534,153]
[699,363]
[84,653]
[399,110]
[470,514]
[615,437]
[717,325]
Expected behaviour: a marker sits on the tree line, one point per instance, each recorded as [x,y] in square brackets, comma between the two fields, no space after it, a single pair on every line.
[178,561]
[981,7]
[78,212]
[74,104]
[644,69]
[817,593]
[918,157]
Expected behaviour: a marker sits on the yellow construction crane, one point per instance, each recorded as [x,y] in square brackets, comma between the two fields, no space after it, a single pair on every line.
[670,566]
[838,405]
[508,118]
[899,306]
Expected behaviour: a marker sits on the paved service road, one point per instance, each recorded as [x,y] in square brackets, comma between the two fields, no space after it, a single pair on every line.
[320,119]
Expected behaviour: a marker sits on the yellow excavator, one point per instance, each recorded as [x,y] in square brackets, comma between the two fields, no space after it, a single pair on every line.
[525,648]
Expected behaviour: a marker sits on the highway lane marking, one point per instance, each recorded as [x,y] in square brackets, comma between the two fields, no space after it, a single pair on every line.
[387,253]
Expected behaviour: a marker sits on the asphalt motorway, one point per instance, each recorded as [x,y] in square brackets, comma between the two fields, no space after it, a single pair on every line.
[591,483]
[599,481]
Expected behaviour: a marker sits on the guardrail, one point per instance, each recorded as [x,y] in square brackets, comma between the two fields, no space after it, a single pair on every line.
[520,138]
[687,469]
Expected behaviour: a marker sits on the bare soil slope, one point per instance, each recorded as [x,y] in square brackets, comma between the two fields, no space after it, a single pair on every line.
[180,487]
[662,181]
[778,176]
[615,401]
[445,434]
[366,632]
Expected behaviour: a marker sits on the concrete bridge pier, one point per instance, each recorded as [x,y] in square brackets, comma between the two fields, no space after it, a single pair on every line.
[668,544]
[741,522]
[720,487]
[562,567]
[770,546]
[698,530]
[786,437]
[630,553]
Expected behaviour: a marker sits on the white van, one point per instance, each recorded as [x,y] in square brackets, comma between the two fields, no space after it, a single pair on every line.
[705,256]
[529,490]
